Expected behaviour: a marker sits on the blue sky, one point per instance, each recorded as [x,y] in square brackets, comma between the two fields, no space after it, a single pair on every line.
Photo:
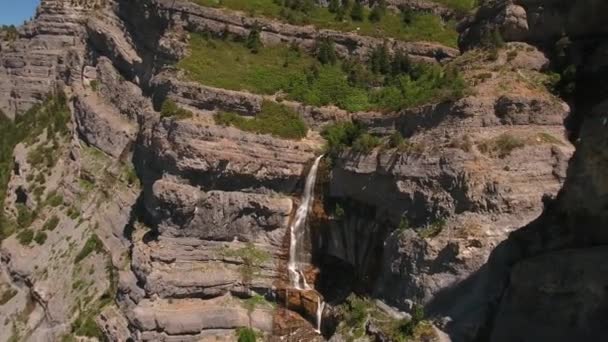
[14,12]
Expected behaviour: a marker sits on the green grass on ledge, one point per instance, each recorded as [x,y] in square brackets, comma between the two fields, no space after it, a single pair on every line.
[423,27]
[230,65]
[274,119]
[298,76]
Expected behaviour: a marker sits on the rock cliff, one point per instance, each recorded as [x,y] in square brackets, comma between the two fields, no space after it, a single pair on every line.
[478,217]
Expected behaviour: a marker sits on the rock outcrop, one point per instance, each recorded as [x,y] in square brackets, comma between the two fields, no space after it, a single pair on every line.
[161,228]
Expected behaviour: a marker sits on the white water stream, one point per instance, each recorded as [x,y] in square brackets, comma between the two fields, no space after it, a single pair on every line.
[297,254]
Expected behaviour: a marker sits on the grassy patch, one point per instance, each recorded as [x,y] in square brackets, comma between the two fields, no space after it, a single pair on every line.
[170,109]
[231,65]
[274,119]
[246,335]
[433,229]
[252,258]
[93,245]
[388,83]
[420,27]
[501,146]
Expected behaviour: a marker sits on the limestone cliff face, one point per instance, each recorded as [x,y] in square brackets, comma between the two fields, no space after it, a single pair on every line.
[188,220]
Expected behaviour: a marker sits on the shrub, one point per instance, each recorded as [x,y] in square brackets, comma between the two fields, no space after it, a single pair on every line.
[54,199]
[396,140]
[366,143]
[501,146]
[93,244]
[24,216]
[40,238]
[407,328]
[170,109]
[246,335]
[338,136]
[432,229]
[94,85]
[88,327]
[274,119]
[25,236]
[51,223]
[404,224]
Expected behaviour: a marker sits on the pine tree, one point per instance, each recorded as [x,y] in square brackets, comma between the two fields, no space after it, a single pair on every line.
[380,60]
[326,51]
[401,64]
[334,6]
[254,43]
[357,11]
[378,11]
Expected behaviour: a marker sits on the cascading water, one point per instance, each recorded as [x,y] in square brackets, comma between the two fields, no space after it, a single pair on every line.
[298,228]
[320,307]
[297,254]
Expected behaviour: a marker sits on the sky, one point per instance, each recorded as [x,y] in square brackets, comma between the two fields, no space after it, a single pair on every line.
[14,12]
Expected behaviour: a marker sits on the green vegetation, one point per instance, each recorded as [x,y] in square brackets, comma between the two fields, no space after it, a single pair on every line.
[252,259]
[357,311]
[433,229]
[340,136]
[230,65]
[404,224]
[40,238]
[460,6]
[7,295]
[246,335]
[54,199]
[170,109]
[9,32]
[257,301]
[85,326]
[349,16]
[92,245]
[25,236]
[388,83]
[366,143]
[25,217]
[501,146]
[274,119]
[53,116]
[94,85]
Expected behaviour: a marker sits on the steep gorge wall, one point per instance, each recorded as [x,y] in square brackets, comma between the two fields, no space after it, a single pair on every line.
[218,200]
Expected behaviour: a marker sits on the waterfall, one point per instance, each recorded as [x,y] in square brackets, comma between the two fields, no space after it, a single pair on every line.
[298,228]
[297,232]
[320,307]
